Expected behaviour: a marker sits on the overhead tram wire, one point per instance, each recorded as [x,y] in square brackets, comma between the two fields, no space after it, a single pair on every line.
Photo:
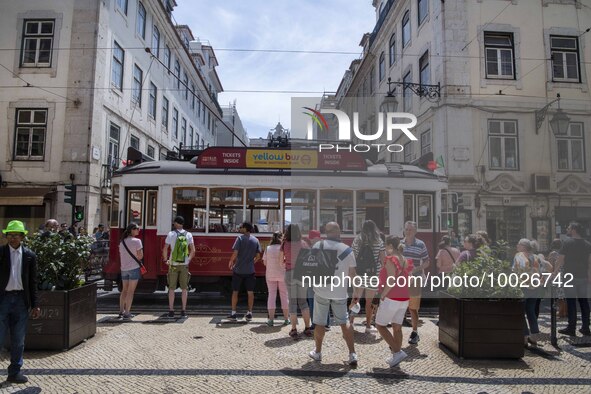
[186,85]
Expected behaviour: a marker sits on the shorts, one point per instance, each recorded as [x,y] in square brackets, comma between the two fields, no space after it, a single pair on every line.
[178,274]
[322,307]
[133,274]
[414,303]
[248,279]
[391,311]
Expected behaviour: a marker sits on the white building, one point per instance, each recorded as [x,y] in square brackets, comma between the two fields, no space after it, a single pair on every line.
[102,76]
[235,134]
[497,64]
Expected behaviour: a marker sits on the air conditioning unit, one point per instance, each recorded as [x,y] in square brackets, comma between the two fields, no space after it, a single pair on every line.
[542,183]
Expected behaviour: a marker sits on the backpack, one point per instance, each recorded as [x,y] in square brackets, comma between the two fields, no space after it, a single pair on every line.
[366,261]
[181,247]
[315,262]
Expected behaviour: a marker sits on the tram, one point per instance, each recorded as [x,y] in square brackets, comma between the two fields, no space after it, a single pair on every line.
[270,188]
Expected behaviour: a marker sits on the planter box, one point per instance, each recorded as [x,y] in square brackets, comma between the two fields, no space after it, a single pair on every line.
[481,328]
[67,318]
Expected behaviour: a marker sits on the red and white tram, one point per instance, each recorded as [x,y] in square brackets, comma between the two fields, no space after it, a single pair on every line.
[269,188]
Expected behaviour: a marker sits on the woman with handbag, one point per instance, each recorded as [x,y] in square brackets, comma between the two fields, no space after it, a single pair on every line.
[131,255]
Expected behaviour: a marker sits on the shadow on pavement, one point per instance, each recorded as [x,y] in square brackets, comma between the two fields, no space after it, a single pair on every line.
[484,365]
[281,342]
[388,375]
[28,390]
[265,329]
[317,372]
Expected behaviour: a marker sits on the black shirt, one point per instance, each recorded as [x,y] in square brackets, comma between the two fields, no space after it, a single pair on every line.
[576,253]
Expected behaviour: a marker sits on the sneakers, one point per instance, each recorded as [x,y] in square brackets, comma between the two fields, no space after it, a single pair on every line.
[396,358]
[18,378]
[120,316]
[232,317]
[586,332]
[353,359]
[315,356]
[326,328]
[170,314]
[286,322]
[248,316]
[371,330]
[183,314]
[128,316]
[568,331]
[414,338]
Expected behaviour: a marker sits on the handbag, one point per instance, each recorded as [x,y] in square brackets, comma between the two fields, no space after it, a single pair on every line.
[143,269]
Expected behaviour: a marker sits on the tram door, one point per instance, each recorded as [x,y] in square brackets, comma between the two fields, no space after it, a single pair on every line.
[141,208]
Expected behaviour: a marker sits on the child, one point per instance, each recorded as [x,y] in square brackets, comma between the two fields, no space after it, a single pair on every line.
[394,294]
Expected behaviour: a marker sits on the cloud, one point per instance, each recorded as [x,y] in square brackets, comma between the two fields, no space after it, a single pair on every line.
[330,25]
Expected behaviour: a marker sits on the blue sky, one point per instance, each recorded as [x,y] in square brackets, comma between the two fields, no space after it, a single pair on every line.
[327,25]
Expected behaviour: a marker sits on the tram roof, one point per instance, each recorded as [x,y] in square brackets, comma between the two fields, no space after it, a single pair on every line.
[391,170]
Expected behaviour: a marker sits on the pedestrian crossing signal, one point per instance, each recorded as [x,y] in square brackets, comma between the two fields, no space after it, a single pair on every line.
[79,213]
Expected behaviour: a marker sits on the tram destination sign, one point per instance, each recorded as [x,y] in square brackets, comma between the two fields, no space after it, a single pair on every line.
[297,159]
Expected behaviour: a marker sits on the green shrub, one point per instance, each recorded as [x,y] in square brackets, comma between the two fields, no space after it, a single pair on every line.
[60,259]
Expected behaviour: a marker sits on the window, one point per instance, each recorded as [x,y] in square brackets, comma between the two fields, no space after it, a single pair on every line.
[565,59]
[408,156]
[498,49]
[372,79]
[165,112]
[37,43]
[406,29]
[114,132]
[225,210]
[197,140]
[122,5]
[423,10]
[151,207]
[263,209]
[136,90]
[156,42]
[151,151]
[191,132]
[392,49]
[175,123]
[117,66]
[382,66]
[184,131]
[135,206]
[373,205]
[140,24]
[192,95]
[337,206]
[199,108]
[134,142]
[425,142]
[191,203]
[300,207]
[31,129]
[177,72]
[152,104]
[502,142]
[407,93]
[186,83]
[167,56]
[571,149]
[114,217]
[204,116]
[425,74]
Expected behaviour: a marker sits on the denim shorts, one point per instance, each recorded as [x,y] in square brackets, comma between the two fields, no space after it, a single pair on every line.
[133,274]
[322,308]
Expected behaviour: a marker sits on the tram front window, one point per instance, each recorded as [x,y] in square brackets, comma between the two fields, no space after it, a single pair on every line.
[300,209]
[263,210]
[225,210]
[337,206]
[189,202]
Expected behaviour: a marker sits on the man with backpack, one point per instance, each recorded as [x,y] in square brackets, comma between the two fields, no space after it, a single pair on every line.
[181,244]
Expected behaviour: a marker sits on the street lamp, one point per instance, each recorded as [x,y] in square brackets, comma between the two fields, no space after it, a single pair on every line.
[430,92]
[559,122]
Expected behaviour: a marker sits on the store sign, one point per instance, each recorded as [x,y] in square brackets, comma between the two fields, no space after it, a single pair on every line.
[297,159]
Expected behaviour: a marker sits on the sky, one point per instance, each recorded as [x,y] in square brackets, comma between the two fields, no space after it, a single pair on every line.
[327,25]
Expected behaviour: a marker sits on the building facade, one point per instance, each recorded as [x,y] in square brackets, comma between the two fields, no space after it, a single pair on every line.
[84,80]
[234,134]
[498,65]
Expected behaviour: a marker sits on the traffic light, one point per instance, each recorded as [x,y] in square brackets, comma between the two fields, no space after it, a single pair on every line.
[79,213]
[70,195]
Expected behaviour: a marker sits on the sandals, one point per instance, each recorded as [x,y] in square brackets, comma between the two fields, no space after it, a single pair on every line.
[308,332]
[293,333]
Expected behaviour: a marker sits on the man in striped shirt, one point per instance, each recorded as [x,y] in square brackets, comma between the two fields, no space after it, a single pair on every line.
[416,250]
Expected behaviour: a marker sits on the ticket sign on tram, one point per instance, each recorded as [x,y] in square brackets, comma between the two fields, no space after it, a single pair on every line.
[301,159]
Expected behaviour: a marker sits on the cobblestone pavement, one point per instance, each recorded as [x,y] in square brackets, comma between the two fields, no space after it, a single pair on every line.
[154,355]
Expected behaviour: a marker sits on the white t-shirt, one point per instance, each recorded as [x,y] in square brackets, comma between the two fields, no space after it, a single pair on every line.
[171,240]
[346,260]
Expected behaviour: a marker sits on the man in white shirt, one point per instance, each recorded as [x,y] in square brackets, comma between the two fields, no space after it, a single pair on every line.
[18,293]
[178,268]
[335,298]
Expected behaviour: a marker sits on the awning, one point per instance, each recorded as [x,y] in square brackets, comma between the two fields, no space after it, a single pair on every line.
[23,195]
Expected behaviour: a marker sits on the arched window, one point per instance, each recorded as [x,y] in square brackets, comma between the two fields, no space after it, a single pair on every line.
[382,66]
[392,49]
[406,29]
[423,10]
[140,25]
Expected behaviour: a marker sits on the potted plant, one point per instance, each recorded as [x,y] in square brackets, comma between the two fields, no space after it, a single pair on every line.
[68,304]
[484,321]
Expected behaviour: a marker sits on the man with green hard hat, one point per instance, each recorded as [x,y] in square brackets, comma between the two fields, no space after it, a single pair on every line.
[18,295]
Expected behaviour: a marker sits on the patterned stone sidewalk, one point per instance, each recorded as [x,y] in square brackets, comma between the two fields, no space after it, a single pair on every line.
[151,355]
